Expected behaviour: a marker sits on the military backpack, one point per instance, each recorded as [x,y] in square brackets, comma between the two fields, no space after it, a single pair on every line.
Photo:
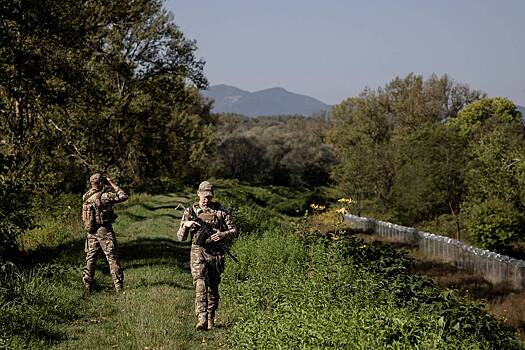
[95,213]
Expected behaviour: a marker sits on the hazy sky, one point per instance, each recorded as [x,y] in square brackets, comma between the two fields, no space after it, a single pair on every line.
[332,49]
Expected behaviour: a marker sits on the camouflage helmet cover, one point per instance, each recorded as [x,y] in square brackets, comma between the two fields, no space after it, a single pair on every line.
[206,188]
[95,178]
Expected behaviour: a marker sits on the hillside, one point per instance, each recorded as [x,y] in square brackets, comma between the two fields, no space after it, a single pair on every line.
[273,101]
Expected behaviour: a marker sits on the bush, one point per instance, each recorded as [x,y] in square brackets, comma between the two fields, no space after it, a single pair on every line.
[495,224]
[302,291]
[15,208]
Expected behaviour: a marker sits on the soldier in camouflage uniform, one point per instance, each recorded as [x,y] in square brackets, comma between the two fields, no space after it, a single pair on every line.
[100,235]
[209,226]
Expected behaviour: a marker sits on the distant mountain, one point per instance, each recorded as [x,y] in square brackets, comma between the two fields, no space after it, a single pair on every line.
[274,101]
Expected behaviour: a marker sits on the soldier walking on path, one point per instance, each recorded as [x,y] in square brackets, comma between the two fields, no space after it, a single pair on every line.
[209,225]
[98,217]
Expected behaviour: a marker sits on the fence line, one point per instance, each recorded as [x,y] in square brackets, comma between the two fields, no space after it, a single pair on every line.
[494,267]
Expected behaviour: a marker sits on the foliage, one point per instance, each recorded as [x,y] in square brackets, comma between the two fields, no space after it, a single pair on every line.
[241,158]
[367,131]
[291,288]
[305,291]
[494,174]
[34,302]
[96,86]
[281,150]
[495,224]
[15,208]
[481,114]
[100,86]
[429,177]
[271,200]
[495,167]
[419,151]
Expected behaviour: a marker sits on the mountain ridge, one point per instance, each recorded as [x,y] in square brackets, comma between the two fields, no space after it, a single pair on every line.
[267,102]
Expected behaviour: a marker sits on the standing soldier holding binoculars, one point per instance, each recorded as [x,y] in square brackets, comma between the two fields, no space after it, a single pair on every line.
[209,225]
[98,217]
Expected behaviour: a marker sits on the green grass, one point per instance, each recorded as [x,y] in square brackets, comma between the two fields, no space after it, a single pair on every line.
[156,310]
[291,290]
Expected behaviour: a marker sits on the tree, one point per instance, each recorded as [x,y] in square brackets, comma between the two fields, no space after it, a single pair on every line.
[361,133]
[294,152]
[495,224]
[97,86]
[429,182]
[82,74]
[149,76]
[367,131]
[494,175]
[414,101]
[240,158]
[477,117]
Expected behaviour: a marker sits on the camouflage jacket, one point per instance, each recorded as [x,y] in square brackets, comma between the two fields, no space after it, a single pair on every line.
[217,217]
[107,198]
[97,208]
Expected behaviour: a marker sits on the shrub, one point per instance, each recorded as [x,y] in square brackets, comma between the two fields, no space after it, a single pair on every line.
[494,224]
[304,291]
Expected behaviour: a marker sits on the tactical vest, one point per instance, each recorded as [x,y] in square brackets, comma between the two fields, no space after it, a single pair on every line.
[210,218]
[204,231]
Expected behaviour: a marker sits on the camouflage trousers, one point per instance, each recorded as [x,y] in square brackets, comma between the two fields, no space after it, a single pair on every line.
[103,239]
[206,271]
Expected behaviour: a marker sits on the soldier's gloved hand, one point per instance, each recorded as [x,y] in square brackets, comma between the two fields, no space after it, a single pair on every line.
[217,235]
[111,182]
[190,223]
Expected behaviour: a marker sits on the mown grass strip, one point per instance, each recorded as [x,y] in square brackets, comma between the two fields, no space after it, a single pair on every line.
[156,310]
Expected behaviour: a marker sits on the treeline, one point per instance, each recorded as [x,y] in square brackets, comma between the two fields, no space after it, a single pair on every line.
[436,154]
[94,86]
[114,86]
[281,150]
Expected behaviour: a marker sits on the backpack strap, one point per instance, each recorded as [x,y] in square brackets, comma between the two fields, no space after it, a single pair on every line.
[89,197]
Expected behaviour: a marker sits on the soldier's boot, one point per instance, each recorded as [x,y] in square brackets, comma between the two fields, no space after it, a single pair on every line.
[211,319]
[202,321]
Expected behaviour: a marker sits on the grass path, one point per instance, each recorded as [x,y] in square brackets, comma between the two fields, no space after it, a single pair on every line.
[156,310]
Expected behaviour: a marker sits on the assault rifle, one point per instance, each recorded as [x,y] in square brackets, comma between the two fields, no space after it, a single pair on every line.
[204,233]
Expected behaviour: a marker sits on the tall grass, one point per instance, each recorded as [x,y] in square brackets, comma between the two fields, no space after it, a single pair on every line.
[307,292]
[34,303]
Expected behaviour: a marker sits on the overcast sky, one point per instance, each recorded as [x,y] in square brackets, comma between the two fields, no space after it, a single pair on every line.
[333,49]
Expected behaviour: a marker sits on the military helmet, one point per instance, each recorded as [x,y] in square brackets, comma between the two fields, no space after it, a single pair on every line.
[95,178]
[206,188]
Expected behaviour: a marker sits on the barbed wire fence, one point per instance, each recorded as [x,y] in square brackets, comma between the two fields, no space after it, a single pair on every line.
[495,268]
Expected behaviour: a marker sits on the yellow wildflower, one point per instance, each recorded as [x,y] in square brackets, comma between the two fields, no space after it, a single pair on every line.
[345,200]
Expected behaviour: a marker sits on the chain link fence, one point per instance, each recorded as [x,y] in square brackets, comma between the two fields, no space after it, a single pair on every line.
[494,267]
